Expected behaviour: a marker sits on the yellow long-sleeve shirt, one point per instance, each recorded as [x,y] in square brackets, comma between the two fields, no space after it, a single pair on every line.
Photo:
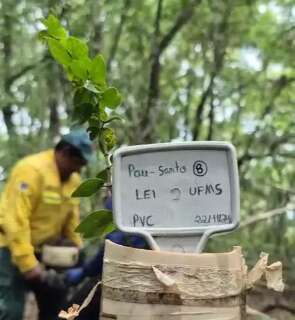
[36,208]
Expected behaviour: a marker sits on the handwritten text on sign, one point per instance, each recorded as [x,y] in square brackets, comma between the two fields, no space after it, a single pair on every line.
[175,189]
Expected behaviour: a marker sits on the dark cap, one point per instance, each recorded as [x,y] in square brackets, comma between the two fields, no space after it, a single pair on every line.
[79,139]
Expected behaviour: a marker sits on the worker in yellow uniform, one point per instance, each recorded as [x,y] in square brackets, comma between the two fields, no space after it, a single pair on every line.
[36,208]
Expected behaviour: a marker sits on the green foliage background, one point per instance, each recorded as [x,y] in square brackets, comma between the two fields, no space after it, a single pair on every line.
[188,70]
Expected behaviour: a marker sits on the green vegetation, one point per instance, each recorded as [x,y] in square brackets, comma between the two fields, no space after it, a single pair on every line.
[188,70]
[91,102]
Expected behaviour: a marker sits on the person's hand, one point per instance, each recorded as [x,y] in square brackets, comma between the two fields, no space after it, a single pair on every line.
[74,276]
[53,279]
[34,274]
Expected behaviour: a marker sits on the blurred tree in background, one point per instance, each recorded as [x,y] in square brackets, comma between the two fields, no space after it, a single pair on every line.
[188,70]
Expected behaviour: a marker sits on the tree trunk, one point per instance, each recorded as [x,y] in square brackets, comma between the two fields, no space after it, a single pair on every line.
[158,48]
[118,34]
[154,285]
[7,51]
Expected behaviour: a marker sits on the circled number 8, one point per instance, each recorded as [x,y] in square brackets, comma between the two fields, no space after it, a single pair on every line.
[200,168]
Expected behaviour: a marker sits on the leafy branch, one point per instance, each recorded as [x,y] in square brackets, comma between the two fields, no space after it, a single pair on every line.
[94,104]
[264,216]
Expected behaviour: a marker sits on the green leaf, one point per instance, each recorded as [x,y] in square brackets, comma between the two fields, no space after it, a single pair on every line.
[109,228]
[54,27]
[108,138]
[103,175]
[82,95]
[98,71]
[111,97]
[90,87]
[59,52]
[103,116]
[94,121]
[88,187]
[69,73]
[82,112]
[87,63]
[79,69]
[96,224]
[77,48]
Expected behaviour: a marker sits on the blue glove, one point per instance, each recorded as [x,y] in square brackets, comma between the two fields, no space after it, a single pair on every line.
[108,203]
[74,276]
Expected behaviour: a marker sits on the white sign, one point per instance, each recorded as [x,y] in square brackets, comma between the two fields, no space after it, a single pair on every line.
[176,190]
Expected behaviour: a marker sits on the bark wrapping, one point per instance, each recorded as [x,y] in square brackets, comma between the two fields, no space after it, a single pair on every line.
[168,285]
